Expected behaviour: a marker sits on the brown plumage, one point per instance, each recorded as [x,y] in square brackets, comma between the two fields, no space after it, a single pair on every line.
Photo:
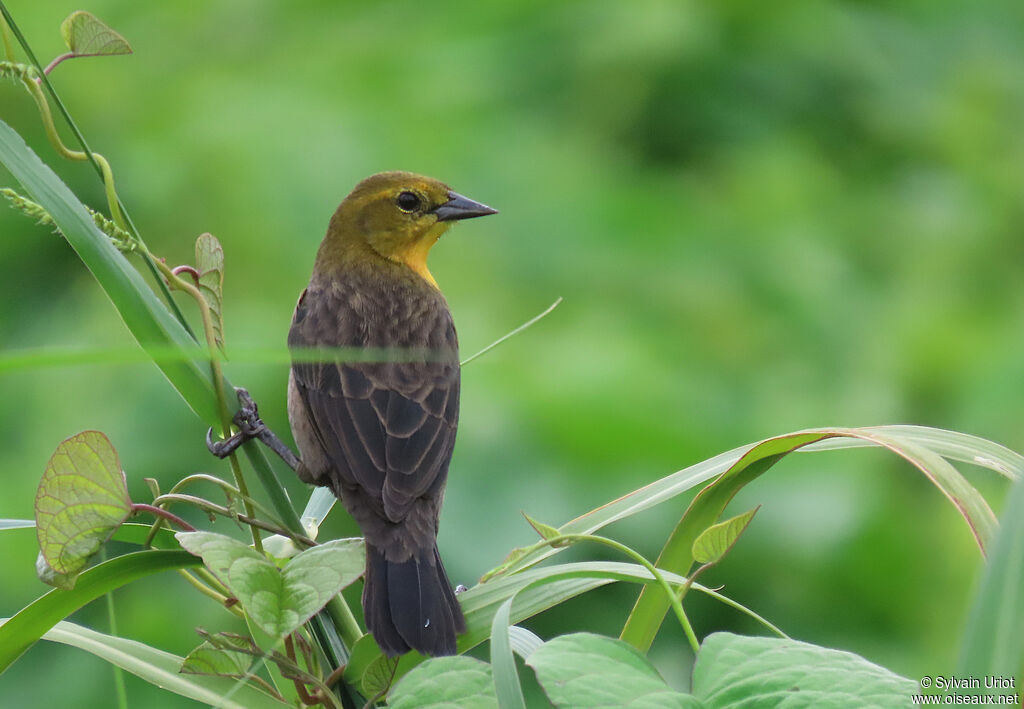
[380,433]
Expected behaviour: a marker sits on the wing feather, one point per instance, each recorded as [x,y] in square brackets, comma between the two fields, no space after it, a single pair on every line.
[387,428]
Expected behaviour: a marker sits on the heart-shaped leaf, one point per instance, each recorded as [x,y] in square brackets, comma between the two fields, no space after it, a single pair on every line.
[210,267]
[278,600]
[88,36]
[81,500]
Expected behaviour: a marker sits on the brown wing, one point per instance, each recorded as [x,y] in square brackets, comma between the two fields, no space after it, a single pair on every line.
[386,427]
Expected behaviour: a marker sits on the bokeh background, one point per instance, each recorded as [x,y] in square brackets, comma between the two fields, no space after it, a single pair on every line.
[762,217]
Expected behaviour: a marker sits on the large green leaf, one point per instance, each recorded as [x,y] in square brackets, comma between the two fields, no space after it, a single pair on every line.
[278,600]
[82,498]
[734,672]
[994,642]
[161,669]
[583,670]
[30,623]
[146,317]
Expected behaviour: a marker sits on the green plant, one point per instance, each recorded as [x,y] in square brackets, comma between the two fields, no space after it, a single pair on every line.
[284,661]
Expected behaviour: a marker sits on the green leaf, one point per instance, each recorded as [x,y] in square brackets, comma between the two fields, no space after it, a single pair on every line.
[81,500]
[993,643]
[716,541]
[210,266]
[161,669]
[87,36]
[379,674]
[546,531]
[146,317]
[677,555]
[733,671]
[30,623]
[445,683]
[584,670]
[278,601]
[503,663]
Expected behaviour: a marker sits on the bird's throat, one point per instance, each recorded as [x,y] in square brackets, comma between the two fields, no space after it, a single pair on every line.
[415,255]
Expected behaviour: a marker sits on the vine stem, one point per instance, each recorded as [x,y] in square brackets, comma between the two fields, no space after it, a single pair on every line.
[224,485]
[221,599]
[164,514]
[218,384]
[57,60]
[254,522]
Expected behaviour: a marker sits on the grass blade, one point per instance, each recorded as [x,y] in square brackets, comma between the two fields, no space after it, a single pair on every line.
[161,669]
[503,664]
[994,643]
[147,318]
[21,631]
[677,555]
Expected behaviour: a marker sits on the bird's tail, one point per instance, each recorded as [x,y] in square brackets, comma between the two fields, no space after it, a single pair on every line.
[410,604]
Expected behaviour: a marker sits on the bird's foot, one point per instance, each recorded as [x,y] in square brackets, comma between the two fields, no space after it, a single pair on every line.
[250,425]
[246,419]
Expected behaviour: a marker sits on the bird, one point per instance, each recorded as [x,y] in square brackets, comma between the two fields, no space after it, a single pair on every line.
[379,431]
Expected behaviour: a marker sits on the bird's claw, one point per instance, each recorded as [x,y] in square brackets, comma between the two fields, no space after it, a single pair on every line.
[247,418]
[249,424]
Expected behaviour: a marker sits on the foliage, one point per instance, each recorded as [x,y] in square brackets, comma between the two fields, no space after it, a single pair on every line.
[291,649]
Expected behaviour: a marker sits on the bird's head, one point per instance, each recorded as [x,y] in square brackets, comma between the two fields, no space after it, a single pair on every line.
[398,216]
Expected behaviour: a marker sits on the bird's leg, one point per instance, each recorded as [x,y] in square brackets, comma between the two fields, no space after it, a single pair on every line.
[250,426]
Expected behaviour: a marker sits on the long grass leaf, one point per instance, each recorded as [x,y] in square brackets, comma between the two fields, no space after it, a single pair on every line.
[146,317]
[22,630]
[677,555]
[994,641]
[503,663]
[162,669]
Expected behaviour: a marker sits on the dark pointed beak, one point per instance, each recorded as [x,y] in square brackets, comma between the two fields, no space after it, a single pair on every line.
[459,207]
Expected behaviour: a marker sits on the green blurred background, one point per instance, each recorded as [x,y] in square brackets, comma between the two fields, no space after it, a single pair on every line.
[762,217]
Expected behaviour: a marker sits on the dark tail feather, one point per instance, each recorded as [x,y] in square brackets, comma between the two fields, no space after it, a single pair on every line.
[410,604]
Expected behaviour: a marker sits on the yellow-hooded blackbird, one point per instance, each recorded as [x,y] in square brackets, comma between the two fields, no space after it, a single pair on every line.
[380,432]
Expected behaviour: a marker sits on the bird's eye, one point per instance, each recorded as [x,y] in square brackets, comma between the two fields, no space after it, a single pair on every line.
[408,201]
